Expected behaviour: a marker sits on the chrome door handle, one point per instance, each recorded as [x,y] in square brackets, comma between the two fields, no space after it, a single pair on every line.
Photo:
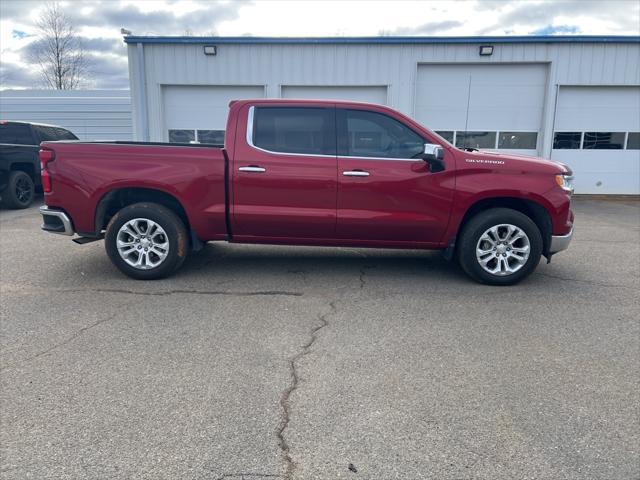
[253,169]
[355,173]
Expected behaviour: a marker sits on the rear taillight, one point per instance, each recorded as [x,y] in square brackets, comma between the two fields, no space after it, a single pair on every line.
[46,157]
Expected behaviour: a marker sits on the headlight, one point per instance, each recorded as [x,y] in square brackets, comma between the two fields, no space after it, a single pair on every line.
[565,182]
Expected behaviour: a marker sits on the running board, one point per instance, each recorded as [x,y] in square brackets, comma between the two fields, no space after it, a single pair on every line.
[83,240]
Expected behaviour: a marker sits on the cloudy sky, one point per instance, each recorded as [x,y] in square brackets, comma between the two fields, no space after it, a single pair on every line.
[98,23]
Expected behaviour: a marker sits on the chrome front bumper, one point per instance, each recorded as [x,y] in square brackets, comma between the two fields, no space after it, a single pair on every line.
[56,221]
[560,242]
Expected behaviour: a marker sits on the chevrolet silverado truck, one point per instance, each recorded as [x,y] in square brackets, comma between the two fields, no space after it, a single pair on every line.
[19,163]
[309,172]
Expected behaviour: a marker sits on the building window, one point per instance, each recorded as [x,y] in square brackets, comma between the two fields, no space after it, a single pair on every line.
[476,139]
[446,134]
[633,142]
[210,136]
[295,130]
[182,136]
[603,140]
[567,140]
[215,137]
[518,140]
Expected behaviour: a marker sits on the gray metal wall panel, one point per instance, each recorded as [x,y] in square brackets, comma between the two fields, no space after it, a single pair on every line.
[394,65]
[90,114]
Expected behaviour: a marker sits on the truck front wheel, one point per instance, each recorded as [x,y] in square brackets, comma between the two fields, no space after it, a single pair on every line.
[499,246]
[19,192]
[146,241]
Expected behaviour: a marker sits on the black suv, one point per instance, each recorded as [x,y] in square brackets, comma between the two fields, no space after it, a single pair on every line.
[19,163]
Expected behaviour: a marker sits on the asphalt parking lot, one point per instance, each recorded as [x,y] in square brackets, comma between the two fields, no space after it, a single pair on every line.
[259,362]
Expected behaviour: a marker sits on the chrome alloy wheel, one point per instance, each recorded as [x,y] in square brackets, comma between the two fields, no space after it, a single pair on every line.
[142,243]
[503,249]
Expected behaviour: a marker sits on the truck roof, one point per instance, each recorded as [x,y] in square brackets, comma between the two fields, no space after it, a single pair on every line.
[3,122]
[306,101]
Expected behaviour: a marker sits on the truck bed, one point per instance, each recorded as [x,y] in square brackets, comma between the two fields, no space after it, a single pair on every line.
[85,173]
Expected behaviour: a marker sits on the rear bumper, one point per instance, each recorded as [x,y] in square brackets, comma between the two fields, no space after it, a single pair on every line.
[560,242]
[56,221]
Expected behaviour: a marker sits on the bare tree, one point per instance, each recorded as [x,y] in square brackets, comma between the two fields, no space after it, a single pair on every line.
[58,51]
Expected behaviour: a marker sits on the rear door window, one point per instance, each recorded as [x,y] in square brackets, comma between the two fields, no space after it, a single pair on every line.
[64,134]
[16,133]
[300,130]
[52,134]
[45,134]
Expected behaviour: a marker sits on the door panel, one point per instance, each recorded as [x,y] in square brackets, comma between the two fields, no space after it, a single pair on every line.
[295,194]
[386,191]
[398,201]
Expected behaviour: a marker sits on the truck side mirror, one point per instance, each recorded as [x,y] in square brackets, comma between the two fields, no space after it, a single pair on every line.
[434,156]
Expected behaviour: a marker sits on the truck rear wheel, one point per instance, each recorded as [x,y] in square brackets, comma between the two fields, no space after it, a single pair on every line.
[499,246]
[146,241]
[19,192]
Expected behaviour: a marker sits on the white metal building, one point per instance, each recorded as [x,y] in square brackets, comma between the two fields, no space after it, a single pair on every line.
[575,99]
[89,114]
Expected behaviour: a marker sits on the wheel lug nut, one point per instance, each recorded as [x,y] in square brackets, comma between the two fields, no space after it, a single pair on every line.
[139,247]
[146,249]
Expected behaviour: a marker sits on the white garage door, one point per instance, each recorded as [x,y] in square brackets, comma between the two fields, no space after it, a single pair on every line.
[199,113]
[376,94]
[597,133]
[498,106]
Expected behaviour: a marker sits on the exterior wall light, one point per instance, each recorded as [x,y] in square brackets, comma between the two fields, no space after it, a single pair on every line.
[486,50]
[210,50]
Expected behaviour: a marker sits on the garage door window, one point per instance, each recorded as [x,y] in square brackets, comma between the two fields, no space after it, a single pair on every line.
[375,135]
[567,140]
[604,140]
[196,136]
[633,143]
[476,140]
[518,140]
[446,134]
[210,136]
[182,136]
[295,130]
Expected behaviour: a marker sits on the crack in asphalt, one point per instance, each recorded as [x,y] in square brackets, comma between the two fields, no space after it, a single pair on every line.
[295,382]
[363,273]
[247,476]
[590,282]
[258,293]
[200,292]
[68,340]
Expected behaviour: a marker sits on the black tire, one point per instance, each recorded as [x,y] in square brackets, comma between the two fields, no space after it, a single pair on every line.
[19,192]
[174,229]
[477,226]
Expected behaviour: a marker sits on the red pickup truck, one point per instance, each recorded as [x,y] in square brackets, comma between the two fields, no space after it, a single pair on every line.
[306,172]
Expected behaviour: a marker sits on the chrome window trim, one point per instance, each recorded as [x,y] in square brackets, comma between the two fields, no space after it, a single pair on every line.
[251,144]
[250,141]
[394,159]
